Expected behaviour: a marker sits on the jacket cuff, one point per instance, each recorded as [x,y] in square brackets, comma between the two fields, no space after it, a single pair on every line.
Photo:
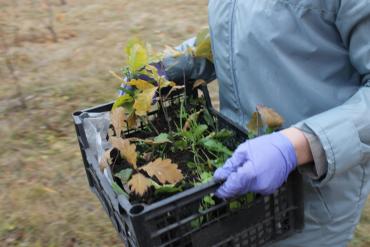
[339,139]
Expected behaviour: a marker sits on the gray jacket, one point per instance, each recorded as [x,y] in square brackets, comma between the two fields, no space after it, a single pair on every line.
[310,61]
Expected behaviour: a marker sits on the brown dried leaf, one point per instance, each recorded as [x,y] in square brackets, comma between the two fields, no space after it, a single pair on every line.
[255,124]
[198,83]
[118,119]
[139,184]
[270,117]
[106,160]
[164,170]
[127,150]
[131,121]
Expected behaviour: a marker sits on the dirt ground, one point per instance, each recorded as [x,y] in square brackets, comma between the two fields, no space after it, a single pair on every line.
[44,77]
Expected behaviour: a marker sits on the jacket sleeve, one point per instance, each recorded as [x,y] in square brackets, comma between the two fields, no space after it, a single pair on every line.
[344,131]
[187,67]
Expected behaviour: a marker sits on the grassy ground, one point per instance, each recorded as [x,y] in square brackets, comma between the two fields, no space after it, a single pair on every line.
[44,197]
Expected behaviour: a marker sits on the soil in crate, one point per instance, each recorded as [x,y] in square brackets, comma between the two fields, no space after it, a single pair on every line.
[179,157]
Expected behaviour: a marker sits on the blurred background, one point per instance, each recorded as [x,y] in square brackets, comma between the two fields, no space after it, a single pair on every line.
[55,58]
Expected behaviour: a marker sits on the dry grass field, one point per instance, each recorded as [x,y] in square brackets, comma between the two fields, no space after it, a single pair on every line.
[54,59]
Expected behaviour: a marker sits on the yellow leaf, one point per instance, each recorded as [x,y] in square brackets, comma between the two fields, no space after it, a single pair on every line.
[164,170]
[131,43]
[138,58]
[152,72]
[139,184]
[140,84]
[118,119]
[203,45]
[165,83]
[270,117]
[127,150]
[143,102]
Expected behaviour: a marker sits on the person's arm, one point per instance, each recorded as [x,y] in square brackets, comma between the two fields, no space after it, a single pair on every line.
[301,145]
[344,131]
[262,164]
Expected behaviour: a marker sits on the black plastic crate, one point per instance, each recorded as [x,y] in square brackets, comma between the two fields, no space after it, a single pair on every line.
[178,220]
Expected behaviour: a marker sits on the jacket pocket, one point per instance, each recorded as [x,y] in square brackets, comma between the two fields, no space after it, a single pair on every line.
[318,209]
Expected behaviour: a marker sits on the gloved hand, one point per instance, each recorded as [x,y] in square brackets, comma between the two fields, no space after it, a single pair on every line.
[259,165]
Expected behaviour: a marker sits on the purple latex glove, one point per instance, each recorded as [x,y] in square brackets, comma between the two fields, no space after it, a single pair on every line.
[259,165]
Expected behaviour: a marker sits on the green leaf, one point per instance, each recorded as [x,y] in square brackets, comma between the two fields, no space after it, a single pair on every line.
[161,138]
[166,188]
[235,205]
[215,146]
[209,119]
[208,201]
[199,130]
[206,176]
[124,175]
[221,135]
[217,163]
[181,145]
[122,100]
[118,189]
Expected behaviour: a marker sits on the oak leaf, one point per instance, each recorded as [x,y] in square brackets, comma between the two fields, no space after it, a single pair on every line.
[143,102]
[127,150]
[139,184]
[270,117]
[140,84]
[164,170]
[131,121]
[118,119]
